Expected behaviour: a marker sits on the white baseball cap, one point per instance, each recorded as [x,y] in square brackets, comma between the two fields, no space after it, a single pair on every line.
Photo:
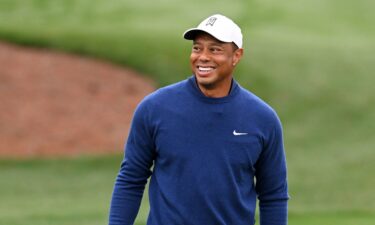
[220,27]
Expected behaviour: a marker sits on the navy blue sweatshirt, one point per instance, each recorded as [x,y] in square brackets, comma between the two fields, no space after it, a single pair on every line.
[208,158]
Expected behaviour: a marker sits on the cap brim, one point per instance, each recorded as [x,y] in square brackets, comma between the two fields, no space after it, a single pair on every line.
[191,33]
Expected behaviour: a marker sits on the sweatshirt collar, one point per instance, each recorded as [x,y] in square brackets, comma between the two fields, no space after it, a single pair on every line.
[197,92]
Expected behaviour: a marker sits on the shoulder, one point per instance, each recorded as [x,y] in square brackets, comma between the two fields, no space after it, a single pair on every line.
[170,90]
[258,107]
[164,95]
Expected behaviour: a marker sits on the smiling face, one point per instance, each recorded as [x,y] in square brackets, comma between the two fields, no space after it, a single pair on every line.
[213,62]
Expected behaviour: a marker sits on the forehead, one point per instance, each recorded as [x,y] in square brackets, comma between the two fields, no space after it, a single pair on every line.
[205,37]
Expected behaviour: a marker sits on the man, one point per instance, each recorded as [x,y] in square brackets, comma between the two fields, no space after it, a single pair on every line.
[214,146]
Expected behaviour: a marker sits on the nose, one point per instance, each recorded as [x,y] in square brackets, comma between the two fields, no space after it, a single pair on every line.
[204,56]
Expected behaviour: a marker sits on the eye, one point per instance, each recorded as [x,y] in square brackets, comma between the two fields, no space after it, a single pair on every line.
[216,50]
[196,49]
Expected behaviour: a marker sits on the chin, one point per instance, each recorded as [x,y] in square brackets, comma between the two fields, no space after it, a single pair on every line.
[203,78]
[205,81]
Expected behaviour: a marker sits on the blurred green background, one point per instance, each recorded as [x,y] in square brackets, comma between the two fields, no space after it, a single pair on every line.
[313,61]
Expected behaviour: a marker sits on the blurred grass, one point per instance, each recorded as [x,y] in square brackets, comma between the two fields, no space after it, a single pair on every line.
[63,191]
[66,191]
[313,61]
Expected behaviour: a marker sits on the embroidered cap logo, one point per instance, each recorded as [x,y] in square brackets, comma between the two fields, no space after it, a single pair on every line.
[211,21]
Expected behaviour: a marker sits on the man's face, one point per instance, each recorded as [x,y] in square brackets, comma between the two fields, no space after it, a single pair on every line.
[213,62]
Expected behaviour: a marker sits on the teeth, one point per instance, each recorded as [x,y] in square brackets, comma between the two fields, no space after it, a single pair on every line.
[205,68]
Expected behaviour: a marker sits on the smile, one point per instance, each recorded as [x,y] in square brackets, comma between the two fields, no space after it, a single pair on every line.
[205,69]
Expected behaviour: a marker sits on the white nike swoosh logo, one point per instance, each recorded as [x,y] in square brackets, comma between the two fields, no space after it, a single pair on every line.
[237,134]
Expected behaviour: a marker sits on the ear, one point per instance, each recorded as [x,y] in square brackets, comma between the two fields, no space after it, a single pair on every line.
[237,55]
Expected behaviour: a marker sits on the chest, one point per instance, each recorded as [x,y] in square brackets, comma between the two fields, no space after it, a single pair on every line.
[216,134]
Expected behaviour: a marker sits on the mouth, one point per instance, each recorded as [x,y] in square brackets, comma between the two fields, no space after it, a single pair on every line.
[205,70]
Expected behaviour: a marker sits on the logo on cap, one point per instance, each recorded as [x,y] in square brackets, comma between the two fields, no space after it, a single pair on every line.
[211,21]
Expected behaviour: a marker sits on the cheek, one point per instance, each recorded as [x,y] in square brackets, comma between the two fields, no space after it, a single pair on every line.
[192,58]
[192,62]
[226,61]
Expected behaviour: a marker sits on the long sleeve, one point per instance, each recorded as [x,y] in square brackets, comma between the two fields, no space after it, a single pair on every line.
[271,179]
[134,171]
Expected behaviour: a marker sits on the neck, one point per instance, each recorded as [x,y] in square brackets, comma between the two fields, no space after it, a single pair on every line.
[213,91]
